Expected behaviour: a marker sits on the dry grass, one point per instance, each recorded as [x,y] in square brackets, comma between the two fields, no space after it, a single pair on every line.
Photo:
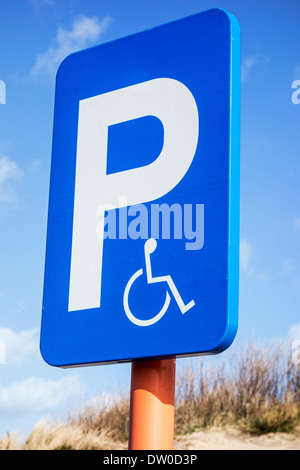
[257,389]
[63,436]
[113,419]
[10,442]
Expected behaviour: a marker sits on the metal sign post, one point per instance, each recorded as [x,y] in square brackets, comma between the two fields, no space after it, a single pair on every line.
[152,406]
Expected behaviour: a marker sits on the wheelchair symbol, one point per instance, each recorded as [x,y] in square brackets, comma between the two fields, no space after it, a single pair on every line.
[149,248]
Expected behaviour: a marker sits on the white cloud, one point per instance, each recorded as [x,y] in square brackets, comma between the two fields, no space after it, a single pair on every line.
[38,395]
[294,332]
[287,267]
[247,64]
[101,401]
[297,222]
[9,171]
[21,306]
[19,346]
[85,31]
[246,250]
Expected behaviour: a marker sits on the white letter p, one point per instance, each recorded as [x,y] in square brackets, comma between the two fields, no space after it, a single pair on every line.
[172,103]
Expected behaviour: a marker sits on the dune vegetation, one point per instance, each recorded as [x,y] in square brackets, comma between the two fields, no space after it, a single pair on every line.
[256,389]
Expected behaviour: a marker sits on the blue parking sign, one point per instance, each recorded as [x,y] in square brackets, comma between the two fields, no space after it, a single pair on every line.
[143,220]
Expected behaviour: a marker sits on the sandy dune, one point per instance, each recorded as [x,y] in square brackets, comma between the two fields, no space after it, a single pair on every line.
[235,439]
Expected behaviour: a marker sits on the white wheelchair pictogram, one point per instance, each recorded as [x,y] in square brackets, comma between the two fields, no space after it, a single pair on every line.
[149,248]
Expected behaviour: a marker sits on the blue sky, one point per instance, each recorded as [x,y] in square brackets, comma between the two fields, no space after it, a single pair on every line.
[35,36]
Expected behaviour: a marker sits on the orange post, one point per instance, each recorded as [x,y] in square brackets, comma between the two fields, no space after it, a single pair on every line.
[152,397]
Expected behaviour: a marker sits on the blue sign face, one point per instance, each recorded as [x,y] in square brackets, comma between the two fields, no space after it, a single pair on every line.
[143,223]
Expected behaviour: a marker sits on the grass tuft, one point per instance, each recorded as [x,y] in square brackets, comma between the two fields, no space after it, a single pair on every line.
[256,388]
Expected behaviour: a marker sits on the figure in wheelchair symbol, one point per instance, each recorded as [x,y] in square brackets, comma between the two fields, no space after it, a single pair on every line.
[149,248]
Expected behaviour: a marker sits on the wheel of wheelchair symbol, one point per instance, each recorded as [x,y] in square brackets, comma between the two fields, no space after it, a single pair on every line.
[133,318]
